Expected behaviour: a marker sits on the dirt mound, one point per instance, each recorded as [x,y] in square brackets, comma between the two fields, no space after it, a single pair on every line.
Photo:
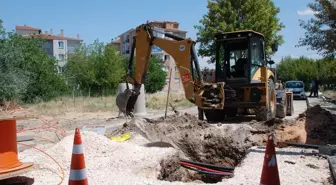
[217,144]
[315,126]
[320,126]
[294,133]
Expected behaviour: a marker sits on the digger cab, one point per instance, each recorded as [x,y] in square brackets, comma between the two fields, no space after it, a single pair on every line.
[239,55]
[249,83]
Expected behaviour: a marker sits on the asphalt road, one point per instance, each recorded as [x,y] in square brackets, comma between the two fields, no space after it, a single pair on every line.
[299,107]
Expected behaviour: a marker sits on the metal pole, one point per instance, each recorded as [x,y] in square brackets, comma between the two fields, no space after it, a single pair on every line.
[171,69]
[73,95]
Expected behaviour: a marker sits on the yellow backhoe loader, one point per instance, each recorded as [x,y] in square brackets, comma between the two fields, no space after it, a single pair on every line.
[243,79]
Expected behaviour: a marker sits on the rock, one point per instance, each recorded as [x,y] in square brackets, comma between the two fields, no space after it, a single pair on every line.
[312,166]
[290,162]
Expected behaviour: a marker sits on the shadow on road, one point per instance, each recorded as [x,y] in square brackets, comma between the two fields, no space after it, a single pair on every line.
[240,119]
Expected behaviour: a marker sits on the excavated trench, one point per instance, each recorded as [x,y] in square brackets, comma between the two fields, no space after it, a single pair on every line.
[199,141]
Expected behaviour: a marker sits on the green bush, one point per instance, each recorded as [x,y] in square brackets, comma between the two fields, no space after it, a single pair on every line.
[27,73]
[95,68]
[155,76]
[306,70]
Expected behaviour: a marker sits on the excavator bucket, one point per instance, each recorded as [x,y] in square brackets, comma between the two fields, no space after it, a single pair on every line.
[122,101]
[126,100]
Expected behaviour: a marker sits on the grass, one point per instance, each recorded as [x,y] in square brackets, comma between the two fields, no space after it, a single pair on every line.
[330,94]
[158,101]
[103,104]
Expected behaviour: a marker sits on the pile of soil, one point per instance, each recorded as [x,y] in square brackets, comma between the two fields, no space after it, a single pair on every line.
[320,126]
[198,140]
[315,126]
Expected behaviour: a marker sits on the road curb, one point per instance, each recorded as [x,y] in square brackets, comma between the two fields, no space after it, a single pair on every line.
[308,103]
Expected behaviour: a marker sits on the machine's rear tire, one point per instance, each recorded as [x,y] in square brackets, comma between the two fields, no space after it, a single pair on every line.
[268,112]
[214,115]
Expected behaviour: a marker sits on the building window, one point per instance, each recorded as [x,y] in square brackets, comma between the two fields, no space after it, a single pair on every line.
[177,80]
[60,56]
[60,44]
[176,70]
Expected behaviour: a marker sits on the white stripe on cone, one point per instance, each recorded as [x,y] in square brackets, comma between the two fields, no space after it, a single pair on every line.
[78,174]
[77,149]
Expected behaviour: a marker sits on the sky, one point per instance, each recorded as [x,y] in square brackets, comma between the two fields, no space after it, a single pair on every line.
[106,19]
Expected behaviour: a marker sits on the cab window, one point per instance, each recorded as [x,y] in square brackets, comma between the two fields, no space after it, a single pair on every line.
[257,54]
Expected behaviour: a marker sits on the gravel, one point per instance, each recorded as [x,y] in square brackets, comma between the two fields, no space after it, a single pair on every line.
[249,171]
[109,162]
[122,163]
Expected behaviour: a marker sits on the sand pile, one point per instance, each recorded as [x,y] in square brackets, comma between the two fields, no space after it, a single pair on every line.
[107,161]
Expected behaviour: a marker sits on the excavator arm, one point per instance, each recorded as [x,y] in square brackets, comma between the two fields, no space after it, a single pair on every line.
[204,95]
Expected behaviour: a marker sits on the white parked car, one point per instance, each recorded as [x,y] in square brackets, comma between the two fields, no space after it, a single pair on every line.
[297,87]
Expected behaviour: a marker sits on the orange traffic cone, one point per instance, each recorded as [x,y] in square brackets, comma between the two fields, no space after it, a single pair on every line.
[77,169]
[270,173]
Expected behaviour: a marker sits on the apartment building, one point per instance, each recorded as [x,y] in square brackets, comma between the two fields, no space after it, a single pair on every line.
[125,41]
[57,46]
[116,43]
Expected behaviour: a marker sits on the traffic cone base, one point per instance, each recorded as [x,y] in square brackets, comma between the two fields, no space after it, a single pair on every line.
[270,173]
[78,169]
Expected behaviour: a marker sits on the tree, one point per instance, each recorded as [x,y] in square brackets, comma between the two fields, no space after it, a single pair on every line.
[27,73]
[306,69]
[97,68]
[155,77]
[320,32]
[233,15]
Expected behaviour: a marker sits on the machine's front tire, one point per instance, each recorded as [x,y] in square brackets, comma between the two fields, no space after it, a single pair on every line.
[268,112]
